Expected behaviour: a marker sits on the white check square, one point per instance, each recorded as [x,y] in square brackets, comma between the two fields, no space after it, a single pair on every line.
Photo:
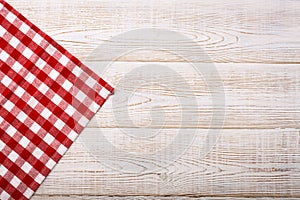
[39,178]
[11,17]
[43,88]
[19,91]
[14,42]
[2,145]
[56,99]
[64,60]
[11,131]
[15,181]
[28,193]
[27,53]
[59,124]
[6,81]
[53,74]
[2,31]
[35,127]
[61,149]
[67,85]
[8,105]
[83,121]
[24,28]
[4,56]
[3,170]
[50,164]
[13,156]
[50,50]
[70,110]
[17,67]
[30,77]
[48,138]
[22,116]
[26,167]
[40,63]
[37,153]
[91,82]
[72,135]
[37,39]
[46,113]
[32,102]
[104,93]
[94,107]
[80,96]
[24,142]
[77,71]
[4,195]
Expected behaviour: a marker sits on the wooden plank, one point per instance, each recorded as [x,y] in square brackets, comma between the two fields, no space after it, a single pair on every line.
[243,163]
[256,96]
[38,197]
[232,31]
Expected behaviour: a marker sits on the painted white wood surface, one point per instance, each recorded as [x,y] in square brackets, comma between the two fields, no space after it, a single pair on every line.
[268,92]
[229,31]
[244,162]
[255,46]
[71,197]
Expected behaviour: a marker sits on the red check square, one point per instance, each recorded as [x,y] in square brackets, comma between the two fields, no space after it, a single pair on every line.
[47,97]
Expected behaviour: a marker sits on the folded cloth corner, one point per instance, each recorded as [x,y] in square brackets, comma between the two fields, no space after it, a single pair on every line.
[47,97]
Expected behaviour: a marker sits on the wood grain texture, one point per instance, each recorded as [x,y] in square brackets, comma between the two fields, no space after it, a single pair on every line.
[231,31]
[71,197]
[254,45]
[255,163]
[252,91]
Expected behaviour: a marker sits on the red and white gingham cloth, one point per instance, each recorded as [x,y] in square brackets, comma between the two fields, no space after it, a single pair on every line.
[47,97]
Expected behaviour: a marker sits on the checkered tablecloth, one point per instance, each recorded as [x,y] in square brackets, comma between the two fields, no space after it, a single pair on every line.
[47,97]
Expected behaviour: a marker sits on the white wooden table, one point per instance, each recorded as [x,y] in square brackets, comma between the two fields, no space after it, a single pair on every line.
[254,45]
